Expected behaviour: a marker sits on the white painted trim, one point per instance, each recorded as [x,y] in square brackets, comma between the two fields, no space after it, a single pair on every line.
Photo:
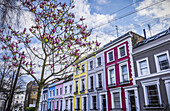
[86,102]
[167,84]
[89,65]
[118,49]
[90,81]
[156,59]
[84,68]
[97,80]
[108,56]
[91,100]
[120,70]
[76,101]
[97,60]
[112,100]
[100,100]
[136,98]
[82,84]
[145,83]
[138,66]
[108,74]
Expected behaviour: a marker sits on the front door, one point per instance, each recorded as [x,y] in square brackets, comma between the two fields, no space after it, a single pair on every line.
[132,105]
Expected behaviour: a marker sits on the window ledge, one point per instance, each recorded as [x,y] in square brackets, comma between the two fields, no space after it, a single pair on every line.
[93,109]
[116,109]
[111,85]
[124,82]
[90,90]
[77,109]
[153,107]
[75,92]
[82,91]
[98,66]
[99,88]
[110,61]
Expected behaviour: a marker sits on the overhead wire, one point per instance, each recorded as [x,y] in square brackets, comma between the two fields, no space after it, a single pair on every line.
[129,14]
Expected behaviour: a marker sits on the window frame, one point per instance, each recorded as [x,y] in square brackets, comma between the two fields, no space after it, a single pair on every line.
[82,68]
[90,87]
[157,62]
[76,102]
[61,91]
[115,91]
[138,66]
[108,73]
[118,49]
[97,80]
[150,83]
[90,68]
[66,90]
[57,92]
[108,61]
[71,88]
[76,85]
[120,71]
[82,84]
[76,71]
[98,61]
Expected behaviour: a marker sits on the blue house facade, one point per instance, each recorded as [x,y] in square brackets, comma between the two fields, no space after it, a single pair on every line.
[51,95]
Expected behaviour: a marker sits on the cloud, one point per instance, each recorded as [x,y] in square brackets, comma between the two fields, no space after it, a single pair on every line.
[101,1]
[82,8]
[159,15]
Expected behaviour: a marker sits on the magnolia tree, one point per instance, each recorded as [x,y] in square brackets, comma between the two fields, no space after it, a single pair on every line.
[48,49]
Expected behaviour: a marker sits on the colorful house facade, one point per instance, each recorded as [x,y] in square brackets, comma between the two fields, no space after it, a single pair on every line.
[120,73]
[80,86]
[51,96]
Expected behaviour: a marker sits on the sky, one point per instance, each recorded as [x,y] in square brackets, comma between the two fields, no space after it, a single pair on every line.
[128,15]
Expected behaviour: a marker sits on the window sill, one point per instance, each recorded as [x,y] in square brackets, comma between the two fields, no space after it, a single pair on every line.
[75,92]
[93,109]
[148,107]
[82,91]
[98,66]
[116,109]
[90,90]
[122,56]
[110,61]
[99,88]
[124,82]
[77,110]
[111,85]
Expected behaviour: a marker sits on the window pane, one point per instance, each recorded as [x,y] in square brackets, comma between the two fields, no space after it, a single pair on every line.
[94,102]
[122,51]
[116,100]
[100,80]
[110,54]
[112,76]
[91,82]
[91,64]
[99,61]
[83,84]
[163,62]
[124,73]
[152,92]
[82,68]
[143,67]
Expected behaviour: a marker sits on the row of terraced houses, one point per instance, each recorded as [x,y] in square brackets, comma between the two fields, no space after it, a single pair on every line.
[130,73]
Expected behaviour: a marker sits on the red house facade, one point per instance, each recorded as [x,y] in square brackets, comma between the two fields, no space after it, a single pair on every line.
[122,91]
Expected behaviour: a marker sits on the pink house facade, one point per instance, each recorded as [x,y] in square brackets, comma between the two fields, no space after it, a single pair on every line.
[121,87]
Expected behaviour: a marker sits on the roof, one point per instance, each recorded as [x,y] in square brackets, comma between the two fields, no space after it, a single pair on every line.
[155,37]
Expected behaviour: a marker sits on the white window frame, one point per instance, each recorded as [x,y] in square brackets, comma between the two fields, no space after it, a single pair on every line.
[97,65]
[57,92]
[82,84]
[167,84]
[50,93]
[86,102]
[108,56]
[76,102]
[100,100]
[97,80]
[149,83]
[66,89]
[76,70]
[115,91]
[89,65]
[75,85]
[84,68]
[90,81]
[61,92]
[108,73]
[138,66]
[120,70]
[53,93]
[118,49]
[156,60]
[91,101]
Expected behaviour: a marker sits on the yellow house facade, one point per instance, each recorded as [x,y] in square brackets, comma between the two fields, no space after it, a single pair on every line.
[80,86]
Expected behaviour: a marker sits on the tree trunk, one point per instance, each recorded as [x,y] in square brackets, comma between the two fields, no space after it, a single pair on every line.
[38,97]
